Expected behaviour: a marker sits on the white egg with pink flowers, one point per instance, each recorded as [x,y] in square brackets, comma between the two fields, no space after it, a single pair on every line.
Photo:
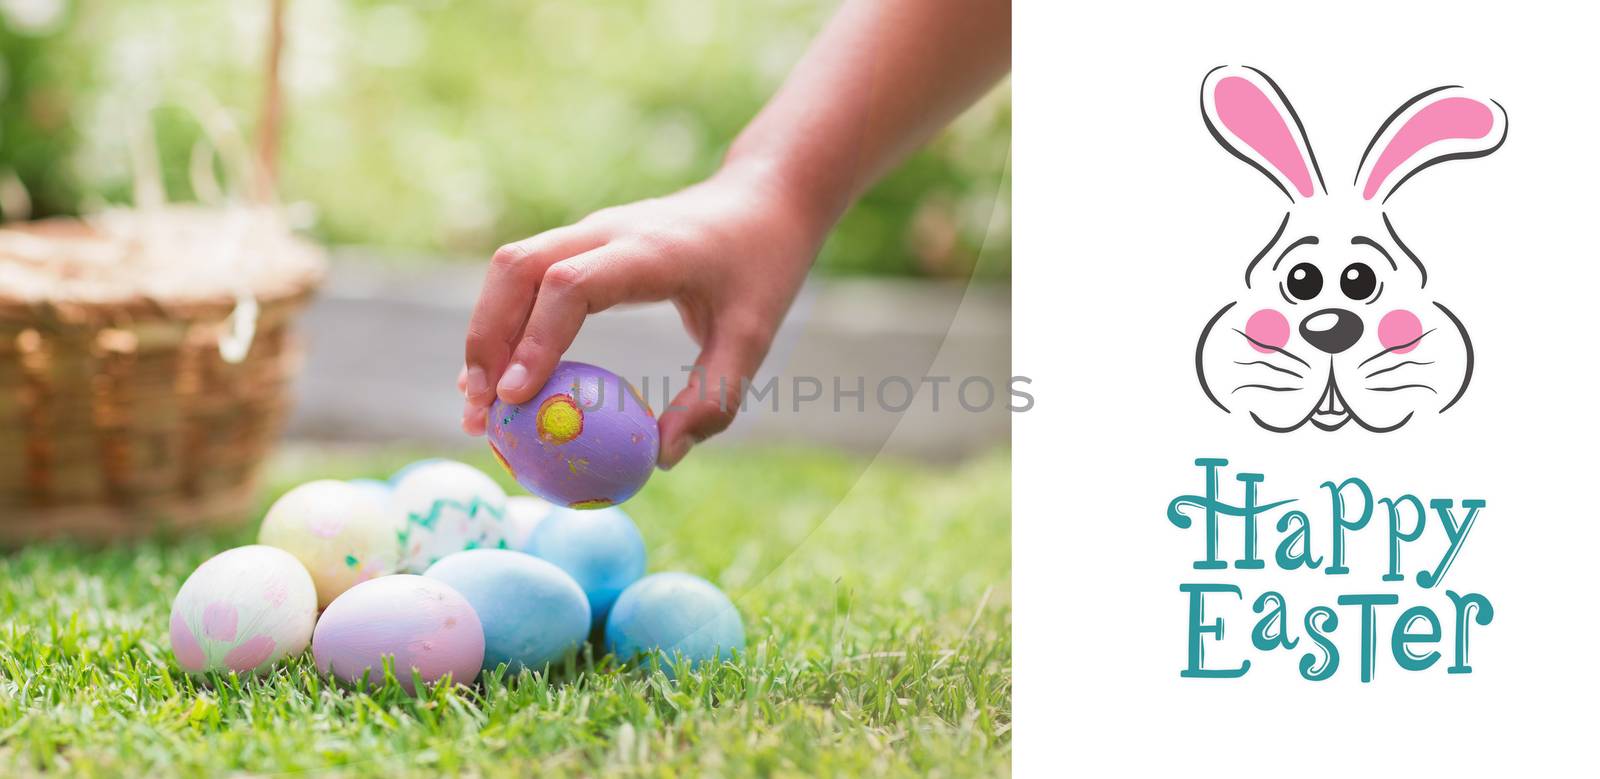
[242,611]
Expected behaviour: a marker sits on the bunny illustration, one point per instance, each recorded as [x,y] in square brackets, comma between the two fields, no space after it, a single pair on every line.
[1335,325]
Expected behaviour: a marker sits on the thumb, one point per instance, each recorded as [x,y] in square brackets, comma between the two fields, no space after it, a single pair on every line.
[711,400]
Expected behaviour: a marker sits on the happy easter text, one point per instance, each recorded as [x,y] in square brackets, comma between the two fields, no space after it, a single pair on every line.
[1417,639]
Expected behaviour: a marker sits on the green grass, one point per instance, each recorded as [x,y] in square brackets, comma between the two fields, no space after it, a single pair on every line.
[876,601]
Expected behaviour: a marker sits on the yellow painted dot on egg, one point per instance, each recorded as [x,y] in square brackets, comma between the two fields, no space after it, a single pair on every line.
[559,419]
[594,503]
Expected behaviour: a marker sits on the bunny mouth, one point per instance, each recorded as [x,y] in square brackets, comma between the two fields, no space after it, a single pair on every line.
[1331,413]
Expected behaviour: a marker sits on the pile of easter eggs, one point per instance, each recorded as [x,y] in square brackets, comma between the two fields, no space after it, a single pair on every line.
[439,572]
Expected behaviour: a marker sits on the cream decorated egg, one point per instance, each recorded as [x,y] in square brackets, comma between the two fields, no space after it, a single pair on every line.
[444,507]
[341,532]
[242,611]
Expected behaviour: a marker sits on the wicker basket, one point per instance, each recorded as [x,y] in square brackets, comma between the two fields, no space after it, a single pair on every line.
[118,414]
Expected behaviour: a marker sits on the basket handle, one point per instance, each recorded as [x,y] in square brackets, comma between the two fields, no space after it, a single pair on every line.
[233,343]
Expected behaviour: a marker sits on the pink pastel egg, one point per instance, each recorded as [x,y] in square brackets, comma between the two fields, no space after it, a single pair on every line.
[424,624]
[242,611]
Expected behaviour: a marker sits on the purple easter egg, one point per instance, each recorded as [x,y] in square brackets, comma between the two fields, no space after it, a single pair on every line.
[587,440]
[423,623]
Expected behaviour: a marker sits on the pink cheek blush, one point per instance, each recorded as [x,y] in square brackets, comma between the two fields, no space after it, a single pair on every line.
[1267,327]
[1398,328]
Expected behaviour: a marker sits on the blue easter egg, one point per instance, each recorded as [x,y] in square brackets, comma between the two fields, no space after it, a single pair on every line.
[674,614]
[532,612]
[601,549]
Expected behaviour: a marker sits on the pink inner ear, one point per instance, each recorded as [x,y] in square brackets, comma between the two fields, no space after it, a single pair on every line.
[1249,113]
[1449,119]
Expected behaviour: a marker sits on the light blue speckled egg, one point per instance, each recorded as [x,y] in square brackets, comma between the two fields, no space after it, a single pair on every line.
[532,612]
[601,549]
[674,614]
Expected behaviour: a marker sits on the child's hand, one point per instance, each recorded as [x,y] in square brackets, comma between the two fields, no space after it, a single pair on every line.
[729,252]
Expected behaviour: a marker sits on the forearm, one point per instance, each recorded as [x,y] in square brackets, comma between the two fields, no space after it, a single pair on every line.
[879,81]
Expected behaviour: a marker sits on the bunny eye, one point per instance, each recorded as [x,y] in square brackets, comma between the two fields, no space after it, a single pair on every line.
[1305,281]
[1358,281]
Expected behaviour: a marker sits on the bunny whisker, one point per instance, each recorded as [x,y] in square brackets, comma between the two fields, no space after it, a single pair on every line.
[1397,367]
[1401,347]
[1265,387]
[1404,387]
[1274,367]
[1271,348]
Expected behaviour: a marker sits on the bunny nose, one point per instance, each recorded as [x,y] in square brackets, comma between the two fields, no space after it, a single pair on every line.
[1331,330]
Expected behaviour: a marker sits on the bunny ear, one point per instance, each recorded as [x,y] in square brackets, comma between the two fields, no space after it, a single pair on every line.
[1441,124]
[1247,113]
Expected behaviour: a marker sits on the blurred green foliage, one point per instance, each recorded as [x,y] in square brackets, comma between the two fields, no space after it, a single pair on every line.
[452,127]
[35,130]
